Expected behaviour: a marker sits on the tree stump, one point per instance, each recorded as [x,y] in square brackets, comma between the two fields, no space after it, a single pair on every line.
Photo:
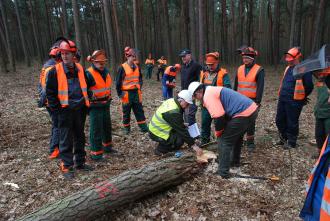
[127,187]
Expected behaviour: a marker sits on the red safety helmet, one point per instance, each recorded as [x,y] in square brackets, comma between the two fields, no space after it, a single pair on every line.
[68,46]
[249,51]
[129,52]
[293,54]
[177,66]
[53,51]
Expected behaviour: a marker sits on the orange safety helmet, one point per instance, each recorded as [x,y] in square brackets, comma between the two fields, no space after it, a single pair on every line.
[177,67]
[129,52]
[292,54]
[212,58]
[97,56]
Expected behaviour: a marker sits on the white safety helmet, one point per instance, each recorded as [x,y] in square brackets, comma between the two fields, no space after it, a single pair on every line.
[193,86]
[186,96]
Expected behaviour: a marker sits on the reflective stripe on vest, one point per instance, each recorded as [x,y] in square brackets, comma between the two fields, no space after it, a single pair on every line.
[299,90]
[247,84]
[43,76]
[101,89]
[131,80]
[158,126]
[62,81]
[205,74]
[169,72]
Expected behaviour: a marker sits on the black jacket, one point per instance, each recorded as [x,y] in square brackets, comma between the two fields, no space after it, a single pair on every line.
[189,73]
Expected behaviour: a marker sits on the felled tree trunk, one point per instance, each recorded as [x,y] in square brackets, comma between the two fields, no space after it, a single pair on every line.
[127,187]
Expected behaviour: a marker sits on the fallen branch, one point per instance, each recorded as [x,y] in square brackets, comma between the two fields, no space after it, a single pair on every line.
[125,188]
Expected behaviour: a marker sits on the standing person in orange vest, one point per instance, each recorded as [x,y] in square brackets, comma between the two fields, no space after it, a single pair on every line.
[292,97]
[66,91]
[150,62]
[249,81]
[99,82]
[128,85]
[162,63]
[214,75]
[54,58]
[168,80]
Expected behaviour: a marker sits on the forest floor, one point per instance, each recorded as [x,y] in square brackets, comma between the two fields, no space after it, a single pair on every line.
[24,138]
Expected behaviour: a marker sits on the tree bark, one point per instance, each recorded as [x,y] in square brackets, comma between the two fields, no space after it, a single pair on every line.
[7,38]
[135,24]
[224,33]
[35,33]
[125,188]
[318,26]
[192,27]
[22,36]
[293,23]
[201,30]
[109,32]
[77,29]
[117,29]
[49,25]
[64,19]
[276,31]
[168,36]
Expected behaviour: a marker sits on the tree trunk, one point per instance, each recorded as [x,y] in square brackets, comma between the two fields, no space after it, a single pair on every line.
[201,30]
[109,32]
[3,48]
[293,23]
[117,29]
[241,22]
[276,30]
[224,32]
[49,25]
[7,37]
[135,24]
[64,19]
[192,27]
[22,36]
[77,29]
[318,26]
[270,34]
[35,33]
[125,188]
[167,31]
[249,27]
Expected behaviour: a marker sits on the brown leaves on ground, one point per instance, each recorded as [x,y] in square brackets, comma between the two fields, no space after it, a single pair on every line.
[24,138]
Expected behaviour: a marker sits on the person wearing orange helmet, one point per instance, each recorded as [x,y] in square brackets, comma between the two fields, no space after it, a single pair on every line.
[128,85]
[54,58]
[168,80]
[249,81]
[99,82]
[293,95]
[66,91]
[212,75]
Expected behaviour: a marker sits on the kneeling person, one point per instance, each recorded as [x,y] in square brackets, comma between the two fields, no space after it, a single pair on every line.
[167,126]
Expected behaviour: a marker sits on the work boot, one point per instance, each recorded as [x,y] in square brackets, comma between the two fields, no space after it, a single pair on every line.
[54,154]
[144,128]
[68,172]
[84,167]
[288,146]
[126,130]
[281,141]
[250,146]
[96,157]
[110,150]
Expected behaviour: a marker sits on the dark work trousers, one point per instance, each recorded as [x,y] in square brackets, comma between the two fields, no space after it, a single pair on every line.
[206,126]
[173,143]
[190,114]
[149,71]
[54,138]
[160,71]
[132,100]
[287,120]
[322,129]
[71,125]
[230,143]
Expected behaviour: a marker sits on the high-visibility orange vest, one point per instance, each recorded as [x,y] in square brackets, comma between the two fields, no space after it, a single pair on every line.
[150,61]
[325,208]
[162,63]
[43,76]
[205,74]
[62,81]
[169,72]
[247,84]
[299,89]
[131,80]
[101,89]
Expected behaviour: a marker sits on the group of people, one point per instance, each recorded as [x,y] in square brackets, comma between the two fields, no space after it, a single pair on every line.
[69,92]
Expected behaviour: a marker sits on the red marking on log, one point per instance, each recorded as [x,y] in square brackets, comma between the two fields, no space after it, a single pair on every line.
[104,187]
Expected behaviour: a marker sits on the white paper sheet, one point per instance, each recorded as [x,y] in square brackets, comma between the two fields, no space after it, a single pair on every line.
[193,130]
